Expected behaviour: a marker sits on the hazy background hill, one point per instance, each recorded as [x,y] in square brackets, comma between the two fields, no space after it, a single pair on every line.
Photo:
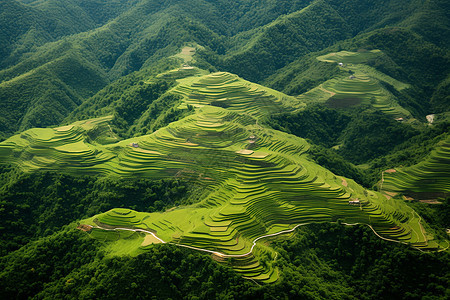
[45,43]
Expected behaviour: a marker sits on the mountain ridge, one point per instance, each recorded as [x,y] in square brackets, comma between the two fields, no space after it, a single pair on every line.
[224,149]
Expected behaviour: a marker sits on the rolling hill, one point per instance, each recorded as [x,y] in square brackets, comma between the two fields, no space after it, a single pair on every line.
[177,148]
[108,40]
[256,181]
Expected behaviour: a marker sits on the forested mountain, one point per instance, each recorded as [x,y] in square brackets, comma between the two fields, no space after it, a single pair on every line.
[302,144]
[106,40]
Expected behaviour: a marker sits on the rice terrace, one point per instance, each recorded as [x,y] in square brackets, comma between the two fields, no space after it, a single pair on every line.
[362,84]
[258,183]
[224,149]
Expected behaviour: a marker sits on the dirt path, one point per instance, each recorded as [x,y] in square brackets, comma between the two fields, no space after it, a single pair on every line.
[383,238]
[129,229]
[206,250]
[262,237]
[223,255]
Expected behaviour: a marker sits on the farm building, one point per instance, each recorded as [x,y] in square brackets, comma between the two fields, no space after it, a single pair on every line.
[354,202]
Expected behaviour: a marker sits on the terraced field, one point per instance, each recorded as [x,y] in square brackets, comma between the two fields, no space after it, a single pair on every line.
[430,177]
[64,148]
[233,93]
[257,181]
[362,85]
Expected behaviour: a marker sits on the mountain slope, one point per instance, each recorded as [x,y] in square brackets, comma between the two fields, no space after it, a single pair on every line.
[406,57]
[256,181]
[27,25]
[121,119]
[428,178]
[251,39]
[45,95]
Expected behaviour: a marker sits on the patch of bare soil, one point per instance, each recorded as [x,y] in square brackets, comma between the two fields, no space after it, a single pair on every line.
[430,201]
[84,227]
[150,239]
[245,151]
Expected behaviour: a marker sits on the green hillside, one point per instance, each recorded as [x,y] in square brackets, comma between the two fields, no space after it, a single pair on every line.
[45,95]
[224,149]
[319,25]
[256,181]
[407,69]
[429,178]
[121,37]
[361,85]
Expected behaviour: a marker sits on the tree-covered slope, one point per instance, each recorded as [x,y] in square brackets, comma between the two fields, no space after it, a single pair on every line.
[27,25]
[287,38]
[144,34]
[406,57]
[316,27]
[251,39]
[45,95]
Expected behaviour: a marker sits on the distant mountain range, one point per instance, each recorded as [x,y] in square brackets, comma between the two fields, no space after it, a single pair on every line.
[301,144]
[57,54]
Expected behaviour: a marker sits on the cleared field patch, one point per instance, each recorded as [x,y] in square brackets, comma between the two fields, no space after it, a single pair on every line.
[245,151]
[348,57]
[186,53]
[149,240]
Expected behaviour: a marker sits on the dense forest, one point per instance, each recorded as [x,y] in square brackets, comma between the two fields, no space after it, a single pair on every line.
[318,262]
[272,41]
[37,205]
[65,61]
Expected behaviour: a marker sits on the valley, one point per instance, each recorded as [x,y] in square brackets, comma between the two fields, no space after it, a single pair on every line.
[227,149]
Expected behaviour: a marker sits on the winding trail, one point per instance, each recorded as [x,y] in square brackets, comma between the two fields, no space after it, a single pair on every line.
[395,241]
[257,239]
[383,238]
[129,229]
[201,249]
[223,255]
